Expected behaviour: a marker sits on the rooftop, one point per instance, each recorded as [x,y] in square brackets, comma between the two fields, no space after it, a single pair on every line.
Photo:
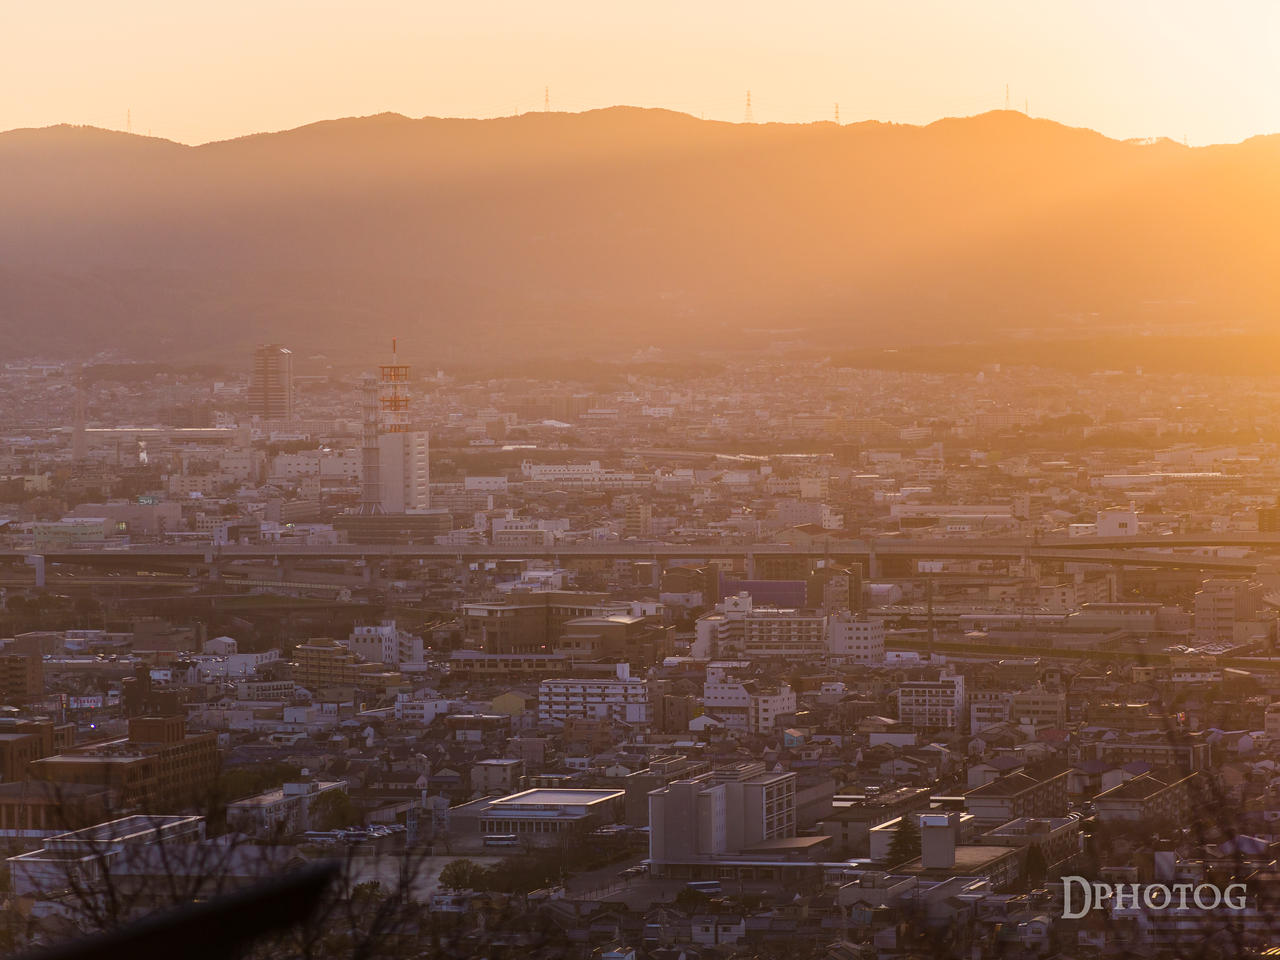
[971,859]
[557,797]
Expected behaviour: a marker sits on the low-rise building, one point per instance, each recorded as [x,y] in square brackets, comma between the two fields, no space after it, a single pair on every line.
[281,812]
[540,815]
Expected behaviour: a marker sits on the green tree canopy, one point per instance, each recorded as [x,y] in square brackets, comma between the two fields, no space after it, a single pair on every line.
[905,845]
[464,875]
[333,810]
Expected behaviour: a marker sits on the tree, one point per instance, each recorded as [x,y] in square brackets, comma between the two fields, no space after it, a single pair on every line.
[463,875]
[333,810]
[691,901]
[905,845]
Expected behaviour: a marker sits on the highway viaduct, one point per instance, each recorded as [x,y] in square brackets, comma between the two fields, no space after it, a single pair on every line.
[1150,552]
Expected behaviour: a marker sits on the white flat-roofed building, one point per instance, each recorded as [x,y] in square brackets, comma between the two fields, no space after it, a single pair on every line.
[739,628]
[752,706]
[83,856]
[855,639]
[624,699]
[540,813]
[422,706]
[933,704]
[1117,522]
[385,643]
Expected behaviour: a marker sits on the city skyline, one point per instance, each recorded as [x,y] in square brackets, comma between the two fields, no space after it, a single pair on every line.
[781,482]
[1183,71]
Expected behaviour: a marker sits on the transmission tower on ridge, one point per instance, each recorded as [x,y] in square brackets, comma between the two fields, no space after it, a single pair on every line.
[837,113]
[747,116]
[546,99]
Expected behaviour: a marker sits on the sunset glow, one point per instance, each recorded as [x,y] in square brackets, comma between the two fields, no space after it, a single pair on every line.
[198,72]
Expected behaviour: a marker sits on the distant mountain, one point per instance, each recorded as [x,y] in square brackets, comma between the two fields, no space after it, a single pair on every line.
[603,232]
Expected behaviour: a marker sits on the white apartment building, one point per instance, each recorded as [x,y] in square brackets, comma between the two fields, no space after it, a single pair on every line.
[739,629]
[623,698]
[385,643]
[751,706]
[988,708]
[933,704]
[421,707]
[855,639]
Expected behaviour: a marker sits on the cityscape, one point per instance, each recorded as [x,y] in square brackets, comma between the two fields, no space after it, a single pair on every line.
[617,481]
[768,655]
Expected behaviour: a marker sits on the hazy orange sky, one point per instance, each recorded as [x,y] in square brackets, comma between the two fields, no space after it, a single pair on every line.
[1207,70]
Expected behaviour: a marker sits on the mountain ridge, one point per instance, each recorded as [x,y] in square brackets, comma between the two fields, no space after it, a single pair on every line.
[620,228]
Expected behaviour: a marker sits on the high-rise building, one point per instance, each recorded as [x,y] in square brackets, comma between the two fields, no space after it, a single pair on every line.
[271,382]
[395,455]
[404,472]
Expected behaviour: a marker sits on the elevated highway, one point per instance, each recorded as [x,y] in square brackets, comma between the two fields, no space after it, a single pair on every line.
[1159,553]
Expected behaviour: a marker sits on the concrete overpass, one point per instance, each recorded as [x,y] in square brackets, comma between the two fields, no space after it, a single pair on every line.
[1116,552]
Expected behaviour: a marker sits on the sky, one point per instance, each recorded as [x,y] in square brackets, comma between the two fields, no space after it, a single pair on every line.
[1204,72]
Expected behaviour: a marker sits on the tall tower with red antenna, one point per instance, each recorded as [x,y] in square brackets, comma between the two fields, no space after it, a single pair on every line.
[393,394]
[395,463]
